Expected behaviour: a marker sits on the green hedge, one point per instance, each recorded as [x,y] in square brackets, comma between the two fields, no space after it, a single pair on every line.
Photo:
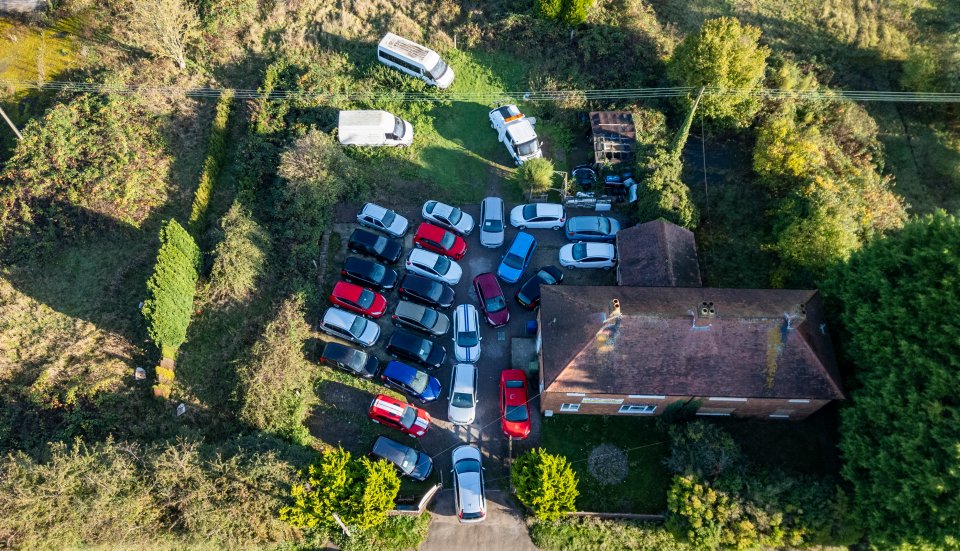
[216,150]
[172,287]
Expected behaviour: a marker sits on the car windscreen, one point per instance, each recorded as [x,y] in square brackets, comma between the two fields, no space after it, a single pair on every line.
[423,351]
[529,212]
[467,466]
[408,418]
[447,240]
[514,384]
[437,71]
[398,128]
[381,244]
[528,148]
[432,290]
[603,225]
[366,299]
[462,400]
[493,226]
[468,338]
[419,382]
[388,217]
[455,216]
[515,414]
[546,277]
[495,304]
[514,261]
[359,324]
[409,460]
[442,266]
[579,251]
[429,318]
[377,271]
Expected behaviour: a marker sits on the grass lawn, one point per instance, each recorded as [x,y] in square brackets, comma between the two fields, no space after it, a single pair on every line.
[645,488]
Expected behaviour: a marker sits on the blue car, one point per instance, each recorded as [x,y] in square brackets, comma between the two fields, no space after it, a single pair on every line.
[592,228]
[517,258]
[411,381]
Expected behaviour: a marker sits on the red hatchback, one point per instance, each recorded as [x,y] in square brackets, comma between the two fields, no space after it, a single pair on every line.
[514,410]
[358,299]
[400,415]
[440,241]
[491,299]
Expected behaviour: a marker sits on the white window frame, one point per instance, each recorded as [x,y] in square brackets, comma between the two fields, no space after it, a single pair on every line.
[725,399]
[799,401]
[647,396]
[638,408]
[570,407]
[576,394]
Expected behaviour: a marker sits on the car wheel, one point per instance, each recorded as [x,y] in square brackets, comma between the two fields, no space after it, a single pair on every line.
[521,227]
[607,267]
[555,228]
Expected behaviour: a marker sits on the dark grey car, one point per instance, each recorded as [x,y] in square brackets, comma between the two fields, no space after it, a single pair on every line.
[410,462]
[421,318]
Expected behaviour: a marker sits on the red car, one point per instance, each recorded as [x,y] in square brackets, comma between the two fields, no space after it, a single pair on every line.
[492,302]
[440,241]
[358,299]
[514,410]
[400,415]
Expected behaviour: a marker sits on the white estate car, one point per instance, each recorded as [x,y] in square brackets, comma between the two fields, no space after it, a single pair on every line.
[433,266]
[588,255]
[538,215]
[471,501]
[491,222]
[448,217]
[466,333]
[350,327]
[381,219]
[463,394]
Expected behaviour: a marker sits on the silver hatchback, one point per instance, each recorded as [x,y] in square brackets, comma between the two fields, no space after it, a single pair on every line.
[491,222]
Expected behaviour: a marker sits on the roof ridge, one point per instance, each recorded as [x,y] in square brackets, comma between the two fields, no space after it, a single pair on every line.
[820,365]
[667,252]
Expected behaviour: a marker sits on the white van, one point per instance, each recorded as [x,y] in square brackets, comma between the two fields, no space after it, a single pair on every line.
[415,60]
[373,128]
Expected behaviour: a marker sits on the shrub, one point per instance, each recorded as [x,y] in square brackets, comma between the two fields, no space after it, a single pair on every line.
[663,194]
[239,258]
[576,534]
[571,12]
[535,175]
[216,149]
[172,286]
[546,483]
[549,9]
[702,449]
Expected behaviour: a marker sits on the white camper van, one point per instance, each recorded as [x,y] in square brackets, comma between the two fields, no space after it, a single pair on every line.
[415,60]
[373,128]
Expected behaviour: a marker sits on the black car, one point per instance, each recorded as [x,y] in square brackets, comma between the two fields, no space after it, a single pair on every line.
[351,360]
[406,345]
[369,273]
[529,294]
[410,462]
[377,246]
[426,291]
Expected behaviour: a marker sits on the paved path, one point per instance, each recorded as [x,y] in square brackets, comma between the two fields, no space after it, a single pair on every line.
[504,528]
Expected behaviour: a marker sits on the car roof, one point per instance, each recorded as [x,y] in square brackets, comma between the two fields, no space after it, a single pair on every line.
[418,282]
[374,210]
[364,236]
[466,314]
[399,371]
[493,205]
[390,449]
[348,290]
[339,352]
[522,131]
[522,242]
[463,377]
[555,209]
[430,231]
[409,309]
[423,256]
[488,282]
[339,317]
[389,406]
[354,263]
[407,339]
[578,222]
[601,248]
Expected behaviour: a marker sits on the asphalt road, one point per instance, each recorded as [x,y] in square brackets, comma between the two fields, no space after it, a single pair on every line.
[503,529]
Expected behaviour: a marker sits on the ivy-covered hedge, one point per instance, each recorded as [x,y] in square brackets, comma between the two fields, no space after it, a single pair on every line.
[172,287]
[216,149]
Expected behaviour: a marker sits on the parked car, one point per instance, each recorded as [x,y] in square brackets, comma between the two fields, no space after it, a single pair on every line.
[382,219]
[516,132]
[491,299]
[491,222]
[538,215]
[397,414]
[436,239]
[466,334]
[373,128]
[426,291]
[592,228]
[370,273]
[514,409]
[588,255]
[410,462]
[421,318]
[585,177]
[411,381]
[462,409]
[351,327]
[380,247]
[448,217]
[529,294]
[470,499]
[518,256]
[358,300]
[433,266]
[406,345]
[353,361]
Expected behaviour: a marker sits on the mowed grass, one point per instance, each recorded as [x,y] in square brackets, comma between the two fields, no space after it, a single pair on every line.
[645,488]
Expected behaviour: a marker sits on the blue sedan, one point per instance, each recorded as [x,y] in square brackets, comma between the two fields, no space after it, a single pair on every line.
[411,381]
[517,258]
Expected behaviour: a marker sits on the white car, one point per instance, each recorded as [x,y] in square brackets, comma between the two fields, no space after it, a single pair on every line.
[381,219]
[463,394]
[491,222]
[434,266]
[466,334]
[350,327]
[471,501]
[538,215]
[588,255]
[448,217]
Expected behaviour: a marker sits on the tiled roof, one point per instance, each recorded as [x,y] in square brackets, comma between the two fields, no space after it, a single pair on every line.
[657,254]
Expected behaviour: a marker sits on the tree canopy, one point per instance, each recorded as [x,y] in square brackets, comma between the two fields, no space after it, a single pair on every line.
[899,437]
[172,287]
[546,483]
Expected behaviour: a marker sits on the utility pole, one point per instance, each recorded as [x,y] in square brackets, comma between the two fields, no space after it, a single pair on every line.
[10,123]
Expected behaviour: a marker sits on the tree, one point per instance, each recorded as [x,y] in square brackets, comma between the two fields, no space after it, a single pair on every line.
[571,12]
[663,194]
[545,483]
[702,449]
[164,28]
[239,258]
[897,298]
[172,287]
[360,492]
[535,175]
[724,54]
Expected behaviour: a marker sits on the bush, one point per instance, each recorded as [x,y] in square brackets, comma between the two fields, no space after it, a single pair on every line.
[535,175]
[216,149]
[545,483]
[397,533]
[571,12]
[275,387]
[576,534]
[702,449]
[663,194]
[172,286]
[239,258]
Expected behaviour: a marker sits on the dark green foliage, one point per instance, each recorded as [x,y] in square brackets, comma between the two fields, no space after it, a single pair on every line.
[89,162]
[239,258]
[535,175]
[216,149]
[546,483]
[679,412]
[397,533]
[571,12]
[899,438]
[702,449]
[663,194]
[172,287]
[276,384]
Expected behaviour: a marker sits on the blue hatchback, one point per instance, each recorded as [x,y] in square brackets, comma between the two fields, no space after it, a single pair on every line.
[517,257]
[412,381]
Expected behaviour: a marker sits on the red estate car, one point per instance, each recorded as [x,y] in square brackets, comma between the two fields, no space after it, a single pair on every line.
[514,411]
[358,299]
[440,241]
[492,302]
[400,415]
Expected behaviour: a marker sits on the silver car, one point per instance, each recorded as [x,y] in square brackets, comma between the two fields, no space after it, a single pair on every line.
[471,501]
[381,219]
[421,318]
[350,327]
[433,266]
[462,409]
[448,217]
[491,222]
